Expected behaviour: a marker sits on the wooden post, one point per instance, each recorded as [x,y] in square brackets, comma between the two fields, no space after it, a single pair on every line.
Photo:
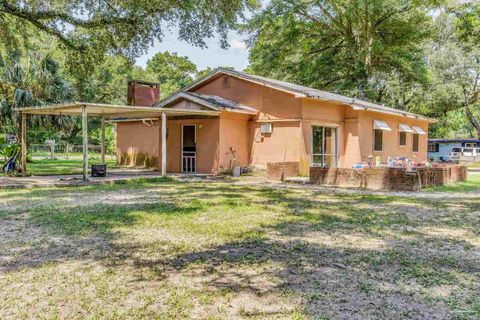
[85,142]
[24,144]
[164,144]
[103,140]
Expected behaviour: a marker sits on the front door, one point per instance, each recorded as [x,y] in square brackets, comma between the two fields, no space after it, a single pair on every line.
[189,148]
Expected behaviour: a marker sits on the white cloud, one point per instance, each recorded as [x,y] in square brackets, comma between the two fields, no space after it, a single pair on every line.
[238,44]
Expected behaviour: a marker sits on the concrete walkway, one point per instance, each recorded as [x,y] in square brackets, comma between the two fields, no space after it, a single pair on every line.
[113,176]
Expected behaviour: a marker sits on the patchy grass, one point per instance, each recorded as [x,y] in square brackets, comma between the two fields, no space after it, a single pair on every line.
[472,184]
[53,167]
[214,250]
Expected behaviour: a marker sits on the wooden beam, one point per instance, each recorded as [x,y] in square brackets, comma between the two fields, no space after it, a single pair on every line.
[103,140]
[164,144]
[24,144]
[85,142]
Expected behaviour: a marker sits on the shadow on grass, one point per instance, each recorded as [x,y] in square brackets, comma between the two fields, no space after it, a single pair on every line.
[331,280]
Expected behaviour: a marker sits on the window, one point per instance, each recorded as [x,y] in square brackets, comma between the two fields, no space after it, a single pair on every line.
[402,138]
[433,147]
[470,145]
[377,140]
[415,142]
[324,146]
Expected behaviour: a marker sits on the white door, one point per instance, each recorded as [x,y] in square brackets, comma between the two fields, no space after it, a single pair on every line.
[189,148]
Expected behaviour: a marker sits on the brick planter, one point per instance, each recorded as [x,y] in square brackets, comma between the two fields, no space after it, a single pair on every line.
[282,170]
[388,178]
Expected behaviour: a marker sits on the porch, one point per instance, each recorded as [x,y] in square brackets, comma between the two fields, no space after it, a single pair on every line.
[106,112]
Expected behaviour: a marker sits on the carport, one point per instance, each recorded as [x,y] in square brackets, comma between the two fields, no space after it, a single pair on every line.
[105,112]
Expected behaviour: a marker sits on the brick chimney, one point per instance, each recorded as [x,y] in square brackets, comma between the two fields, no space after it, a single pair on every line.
[143,93]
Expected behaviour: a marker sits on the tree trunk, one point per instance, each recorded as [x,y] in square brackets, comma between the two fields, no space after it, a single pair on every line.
[473,120]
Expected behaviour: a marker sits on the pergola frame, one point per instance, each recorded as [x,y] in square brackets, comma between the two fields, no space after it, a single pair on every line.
[106,112]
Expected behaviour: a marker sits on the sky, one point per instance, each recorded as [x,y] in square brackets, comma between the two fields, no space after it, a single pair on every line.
[213,56]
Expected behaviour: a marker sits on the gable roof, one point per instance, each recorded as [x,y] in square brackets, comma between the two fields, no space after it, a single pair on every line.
[304,92]
[209,101]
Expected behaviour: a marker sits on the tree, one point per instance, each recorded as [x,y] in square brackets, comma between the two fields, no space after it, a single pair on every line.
[108,82]
[455,67]
[31,81]
[93,28]
[171,70]
[350,47]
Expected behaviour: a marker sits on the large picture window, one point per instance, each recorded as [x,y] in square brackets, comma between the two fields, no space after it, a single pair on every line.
[377,140]
[324,146]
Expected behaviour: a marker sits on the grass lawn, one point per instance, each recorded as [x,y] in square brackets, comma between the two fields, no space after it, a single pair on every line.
[73,166]
[216,250]
[471,185]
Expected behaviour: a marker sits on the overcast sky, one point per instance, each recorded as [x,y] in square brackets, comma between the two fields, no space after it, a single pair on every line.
[213,56]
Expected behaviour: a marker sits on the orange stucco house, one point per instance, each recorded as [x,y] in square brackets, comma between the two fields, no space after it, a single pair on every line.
[248,120]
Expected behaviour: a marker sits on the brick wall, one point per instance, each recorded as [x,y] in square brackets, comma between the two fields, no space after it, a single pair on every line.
[388,178]
[282,170]
[141,93]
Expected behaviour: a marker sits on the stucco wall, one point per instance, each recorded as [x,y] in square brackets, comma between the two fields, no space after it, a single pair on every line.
[233,134]
[272,104]
[391,144]
[284,144]
[207,139]
[321,113]
[137,144]
[290,141]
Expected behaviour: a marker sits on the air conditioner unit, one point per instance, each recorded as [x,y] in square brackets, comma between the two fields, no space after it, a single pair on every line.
[266,128]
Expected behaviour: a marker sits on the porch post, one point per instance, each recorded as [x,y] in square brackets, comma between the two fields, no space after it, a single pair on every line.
[24,144]
[85,142]
[164,144]
[103,140]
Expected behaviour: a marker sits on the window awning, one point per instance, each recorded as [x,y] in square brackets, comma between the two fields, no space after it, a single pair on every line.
[418,130]
[404,128]
[381,125]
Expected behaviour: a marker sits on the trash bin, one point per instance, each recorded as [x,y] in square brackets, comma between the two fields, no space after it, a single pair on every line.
[99,170]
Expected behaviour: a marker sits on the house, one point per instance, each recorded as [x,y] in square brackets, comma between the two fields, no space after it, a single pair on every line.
[439,149]
[247,120]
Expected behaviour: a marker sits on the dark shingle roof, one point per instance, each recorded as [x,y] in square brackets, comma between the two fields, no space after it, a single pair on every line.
[218,101]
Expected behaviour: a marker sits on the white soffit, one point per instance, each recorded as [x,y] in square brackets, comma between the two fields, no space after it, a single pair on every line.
[382,125]
[405,128]
[418,130]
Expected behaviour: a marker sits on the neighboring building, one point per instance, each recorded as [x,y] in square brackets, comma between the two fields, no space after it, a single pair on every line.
[249,120]
[439,149]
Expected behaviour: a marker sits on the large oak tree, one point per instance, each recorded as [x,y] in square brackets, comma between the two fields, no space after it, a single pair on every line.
[347,46]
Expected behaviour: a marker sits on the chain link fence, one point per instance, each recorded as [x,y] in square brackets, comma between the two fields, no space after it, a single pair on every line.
[64,151]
